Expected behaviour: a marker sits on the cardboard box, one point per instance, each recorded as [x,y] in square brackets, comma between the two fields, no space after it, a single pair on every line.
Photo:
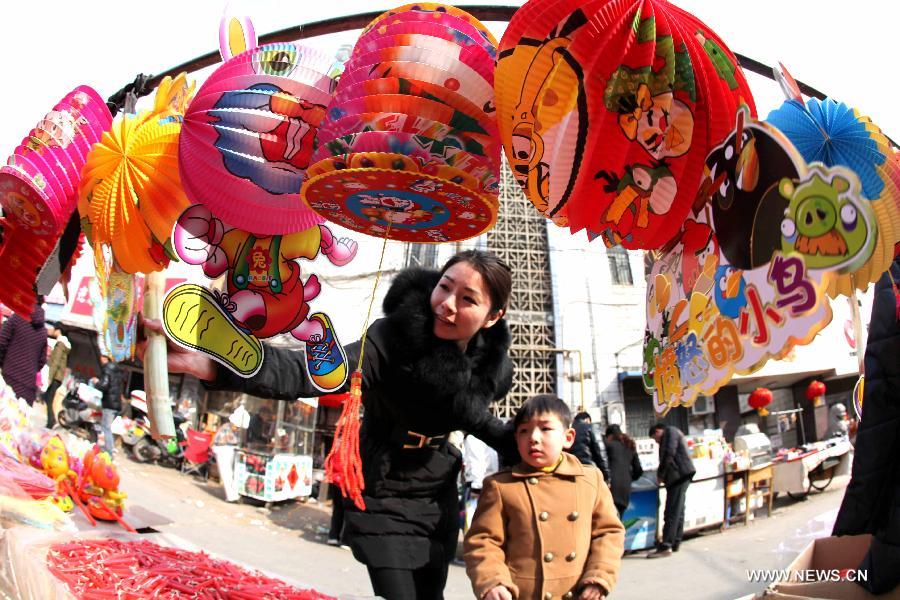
[828,554]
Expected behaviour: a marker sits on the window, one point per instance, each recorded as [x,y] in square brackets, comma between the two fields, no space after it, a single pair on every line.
[619,267]
[421,255]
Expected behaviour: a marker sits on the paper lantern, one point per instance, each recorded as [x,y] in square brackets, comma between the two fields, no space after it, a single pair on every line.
[759,399]
[408,149]
[838,135]
[814,392]
[249,134]
[38,187]
[131,192]
[22,254]
[608,111]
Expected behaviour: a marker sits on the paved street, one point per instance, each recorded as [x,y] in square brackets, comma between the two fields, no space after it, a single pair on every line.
[287,541]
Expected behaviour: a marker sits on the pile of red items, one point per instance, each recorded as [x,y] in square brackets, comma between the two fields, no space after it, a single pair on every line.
[107,568]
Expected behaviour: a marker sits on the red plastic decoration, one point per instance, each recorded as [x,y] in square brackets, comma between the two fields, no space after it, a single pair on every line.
[759,399]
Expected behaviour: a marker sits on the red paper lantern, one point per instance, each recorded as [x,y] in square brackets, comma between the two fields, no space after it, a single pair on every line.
[814,392]
[759,399]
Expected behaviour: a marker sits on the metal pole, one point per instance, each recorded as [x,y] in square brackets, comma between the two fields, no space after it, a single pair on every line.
[565,352]
[488,12]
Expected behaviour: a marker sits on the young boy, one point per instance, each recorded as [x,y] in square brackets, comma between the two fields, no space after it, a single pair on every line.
[548,528]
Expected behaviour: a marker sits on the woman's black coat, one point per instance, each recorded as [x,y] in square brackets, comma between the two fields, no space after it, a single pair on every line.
[872,501]
[624,467]
[412,382]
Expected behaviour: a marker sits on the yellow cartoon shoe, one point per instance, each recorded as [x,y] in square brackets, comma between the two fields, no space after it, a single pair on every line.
[194,318]
[326,362]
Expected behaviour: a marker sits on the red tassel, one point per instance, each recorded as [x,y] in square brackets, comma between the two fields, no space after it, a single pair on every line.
[343,466]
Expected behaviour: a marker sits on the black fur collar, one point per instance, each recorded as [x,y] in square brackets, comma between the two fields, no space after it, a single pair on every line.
[439,367]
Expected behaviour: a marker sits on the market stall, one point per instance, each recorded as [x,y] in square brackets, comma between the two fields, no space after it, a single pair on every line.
[727,487]
[274,460]
[812,467]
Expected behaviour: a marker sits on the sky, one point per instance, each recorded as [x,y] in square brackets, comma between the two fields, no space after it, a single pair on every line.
[843,48]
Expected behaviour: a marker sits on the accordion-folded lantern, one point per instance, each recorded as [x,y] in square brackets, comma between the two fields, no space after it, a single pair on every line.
[408,149]
[608,110]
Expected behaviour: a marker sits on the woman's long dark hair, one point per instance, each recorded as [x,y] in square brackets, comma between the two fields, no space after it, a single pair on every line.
[496,274]
[616,433]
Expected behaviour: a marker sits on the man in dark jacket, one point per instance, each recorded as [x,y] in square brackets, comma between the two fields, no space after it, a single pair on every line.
[586,448]
[23,352]
[111,383]
[872,501]
[676,469]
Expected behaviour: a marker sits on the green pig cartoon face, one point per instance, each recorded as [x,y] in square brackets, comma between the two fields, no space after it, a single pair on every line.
[827,221]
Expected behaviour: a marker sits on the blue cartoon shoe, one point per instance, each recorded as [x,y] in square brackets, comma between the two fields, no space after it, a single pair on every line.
[326,362]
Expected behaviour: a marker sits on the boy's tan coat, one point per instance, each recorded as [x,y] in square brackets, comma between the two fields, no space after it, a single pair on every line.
[545,535]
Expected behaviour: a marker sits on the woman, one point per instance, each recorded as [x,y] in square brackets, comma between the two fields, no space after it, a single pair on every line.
[624,466]
[433,364]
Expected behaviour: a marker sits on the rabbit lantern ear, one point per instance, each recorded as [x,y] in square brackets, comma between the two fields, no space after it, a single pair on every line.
[236,35]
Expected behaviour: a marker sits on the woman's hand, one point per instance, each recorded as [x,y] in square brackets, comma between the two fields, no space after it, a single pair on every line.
[178,360]
[498,593]
[592,592]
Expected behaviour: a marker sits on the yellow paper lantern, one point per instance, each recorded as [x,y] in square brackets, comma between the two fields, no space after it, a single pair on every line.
[130,194]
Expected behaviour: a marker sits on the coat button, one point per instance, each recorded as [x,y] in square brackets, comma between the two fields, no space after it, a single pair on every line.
[548,557]
[544,516]
[573,515]
[570,556]
[532,480]
[568,596]
[548,596]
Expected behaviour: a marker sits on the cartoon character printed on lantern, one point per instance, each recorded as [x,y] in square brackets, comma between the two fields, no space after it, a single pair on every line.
[59,127]
[530,166]
[825,221]
[265,294]
[663,127]
[384,208]
[699,258]
[287,147]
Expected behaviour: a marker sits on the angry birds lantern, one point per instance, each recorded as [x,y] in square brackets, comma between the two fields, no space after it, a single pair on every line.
[827,221]
[607,113]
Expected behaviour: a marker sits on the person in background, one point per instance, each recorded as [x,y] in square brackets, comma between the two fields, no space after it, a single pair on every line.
[260,430]
[547,528]
[624,466]
[838,422]
[58,363]
[111,383]
[676,469]
[23,351]
[479,461]
[587,448]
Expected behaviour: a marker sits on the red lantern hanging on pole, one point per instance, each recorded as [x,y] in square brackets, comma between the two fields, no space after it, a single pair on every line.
[759,399]
[814,392]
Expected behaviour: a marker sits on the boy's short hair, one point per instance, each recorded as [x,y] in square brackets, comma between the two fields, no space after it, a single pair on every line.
[542,404]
